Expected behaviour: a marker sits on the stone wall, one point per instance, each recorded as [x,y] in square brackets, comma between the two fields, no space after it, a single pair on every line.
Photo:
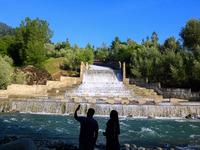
[114,64]
[41,90]
[181,93]
[111,64]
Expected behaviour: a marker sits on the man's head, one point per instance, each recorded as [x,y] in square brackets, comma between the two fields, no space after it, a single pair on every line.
[90,112]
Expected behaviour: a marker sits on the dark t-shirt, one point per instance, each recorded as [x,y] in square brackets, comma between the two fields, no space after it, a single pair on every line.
[88,128]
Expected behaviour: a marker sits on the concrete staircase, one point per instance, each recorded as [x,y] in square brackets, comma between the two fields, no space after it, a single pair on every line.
[142,92]
[61,90]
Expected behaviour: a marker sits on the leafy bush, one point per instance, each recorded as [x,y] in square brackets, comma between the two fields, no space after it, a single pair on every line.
[5,73]
[17,77]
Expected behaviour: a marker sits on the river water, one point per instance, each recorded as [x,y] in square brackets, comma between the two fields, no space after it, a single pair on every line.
[177,133]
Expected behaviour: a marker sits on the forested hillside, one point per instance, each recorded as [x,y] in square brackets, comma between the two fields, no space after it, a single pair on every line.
[172,63]
[6,30]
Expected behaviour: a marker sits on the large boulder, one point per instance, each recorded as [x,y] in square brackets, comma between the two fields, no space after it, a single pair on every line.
[20,144]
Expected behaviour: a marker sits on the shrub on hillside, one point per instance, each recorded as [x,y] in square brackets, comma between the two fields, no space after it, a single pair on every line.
[5,73]
[18,77]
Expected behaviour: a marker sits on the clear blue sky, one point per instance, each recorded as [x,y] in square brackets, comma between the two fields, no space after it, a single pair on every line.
[98,21]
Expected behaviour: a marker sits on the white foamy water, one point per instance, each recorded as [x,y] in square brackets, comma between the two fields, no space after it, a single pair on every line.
[102,80]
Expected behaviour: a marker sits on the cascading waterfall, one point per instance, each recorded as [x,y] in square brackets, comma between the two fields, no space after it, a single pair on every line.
[38,106]
[104,82]
[56,107]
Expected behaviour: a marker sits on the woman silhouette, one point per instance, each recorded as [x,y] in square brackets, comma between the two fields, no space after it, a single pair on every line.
[112,132]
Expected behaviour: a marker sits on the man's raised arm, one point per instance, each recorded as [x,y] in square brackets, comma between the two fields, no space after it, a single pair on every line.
[75,114]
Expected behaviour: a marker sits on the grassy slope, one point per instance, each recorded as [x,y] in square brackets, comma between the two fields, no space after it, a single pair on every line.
[52,65]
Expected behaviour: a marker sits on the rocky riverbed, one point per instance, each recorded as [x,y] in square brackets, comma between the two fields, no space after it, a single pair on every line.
[13,141]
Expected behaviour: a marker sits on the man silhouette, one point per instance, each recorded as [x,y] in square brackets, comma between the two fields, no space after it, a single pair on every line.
[88,131]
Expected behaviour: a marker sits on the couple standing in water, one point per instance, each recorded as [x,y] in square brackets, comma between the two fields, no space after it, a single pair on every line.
[89,130]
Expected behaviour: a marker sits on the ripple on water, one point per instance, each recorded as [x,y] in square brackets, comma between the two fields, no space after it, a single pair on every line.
[38,130]
[194,136]
[148,132]
[60,130]
[13,119]
[101,130]
[193,126]
[132,131]
[6,121]
[25,119]
[124,124]
[70,121]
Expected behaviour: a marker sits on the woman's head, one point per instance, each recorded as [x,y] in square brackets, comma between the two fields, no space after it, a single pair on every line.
[114,114]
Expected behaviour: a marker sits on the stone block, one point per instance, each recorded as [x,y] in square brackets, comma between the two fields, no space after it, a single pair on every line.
[151,90]
[97,95]
[78,100]
[183,100]
[142,101]
[93,101]
[121,96]
[117,99]
[72,95]
[103,98]
[110,96]
[59,97]
[84,95]
[110,101]
[158,100]
[131,99]
[174,101]
[88,98]
[125,101]
[65,100]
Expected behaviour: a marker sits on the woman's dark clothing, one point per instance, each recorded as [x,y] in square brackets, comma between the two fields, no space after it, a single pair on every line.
[112,132]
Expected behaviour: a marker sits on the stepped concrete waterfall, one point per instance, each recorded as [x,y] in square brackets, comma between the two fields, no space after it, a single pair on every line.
[104,81]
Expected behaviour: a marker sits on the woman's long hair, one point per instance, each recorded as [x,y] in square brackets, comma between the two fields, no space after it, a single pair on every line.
[115,119]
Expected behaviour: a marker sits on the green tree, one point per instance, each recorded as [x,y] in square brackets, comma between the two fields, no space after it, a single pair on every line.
[191,33]
[154,38]
[68,45]
[49,48]
[6,43]
[58,46]
[101,53]
[147,43]
[171,44]
[31,37]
